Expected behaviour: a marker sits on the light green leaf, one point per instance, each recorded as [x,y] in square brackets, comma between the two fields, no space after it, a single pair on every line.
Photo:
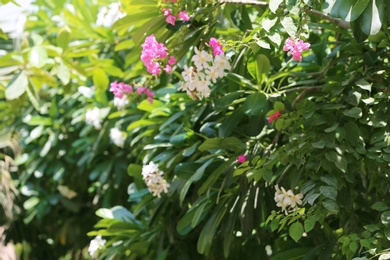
[274,5]
[100,79]
[17,86]
[63,37]
[38,56]
[289,26]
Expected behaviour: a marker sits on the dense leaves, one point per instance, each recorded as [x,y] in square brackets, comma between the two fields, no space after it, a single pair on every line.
[317,128]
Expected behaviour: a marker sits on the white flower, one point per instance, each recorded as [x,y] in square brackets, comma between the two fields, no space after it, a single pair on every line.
[87,92]
[268,250]
[108,16]
[213,74]
[287,200]
[154,179]
[96,244]
[201,59]
[121,103]
[93,117]
[221,63]
[117,137]
[188,73]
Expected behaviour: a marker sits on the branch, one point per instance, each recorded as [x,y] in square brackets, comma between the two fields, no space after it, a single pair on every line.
[340,23]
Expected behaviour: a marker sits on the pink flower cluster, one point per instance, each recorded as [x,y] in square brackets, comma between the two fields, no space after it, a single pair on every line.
[146,91]
[295,48]
[120,89]
[171,19]
[153,53]
[217,47]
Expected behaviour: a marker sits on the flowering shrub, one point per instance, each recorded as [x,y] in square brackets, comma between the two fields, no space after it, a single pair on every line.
[264,156]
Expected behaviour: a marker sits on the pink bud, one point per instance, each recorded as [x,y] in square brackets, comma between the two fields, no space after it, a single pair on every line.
[241,158]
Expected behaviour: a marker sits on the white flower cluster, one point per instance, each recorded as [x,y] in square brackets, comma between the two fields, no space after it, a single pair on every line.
[94,117]
[117,137]
[96,244]
[107,16]
[154,179]
[287,200]
[207,69]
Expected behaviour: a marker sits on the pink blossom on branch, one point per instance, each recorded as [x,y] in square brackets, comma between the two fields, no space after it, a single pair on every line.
[295,48]
[118,89]
[217,47]
[171,19]
[184,16]
[167,11]
[171,60]
[152,53]
[148,92]
[274,116]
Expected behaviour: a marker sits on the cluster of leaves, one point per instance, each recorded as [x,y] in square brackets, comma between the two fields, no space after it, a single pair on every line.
[331,140]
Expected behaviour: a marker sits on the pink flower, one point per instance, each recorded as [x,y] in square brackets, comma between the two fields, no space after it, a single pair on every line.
[295,48]
[118,89]
[217,47]
[184,16]
[168,68]
[167,12]
[274,116]
[148,92]
[241,158]
[171,60]
[171,19]
[152,53]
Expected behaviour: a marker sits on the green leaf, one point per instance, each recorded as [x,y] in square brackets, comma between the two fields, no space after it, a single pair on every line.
[63,73]
[309,223]
[31,203]
[38,56]
[100,79]
[127,44]
[379,206]
[3,35]
[140,123]
[63,37]
[385,218]
[135,170]
[372,17]
[355,112]
[331,205]
[254,103]
[17,86]
[338,160]
[289,25]
[296,231]
[259,67]
[363,84]
[230,123]
[278,106]
[357,9]
[329,192]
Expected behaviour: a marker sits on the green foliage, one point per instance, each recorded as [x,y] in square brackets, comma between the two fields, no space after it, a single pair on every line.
[328,138]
